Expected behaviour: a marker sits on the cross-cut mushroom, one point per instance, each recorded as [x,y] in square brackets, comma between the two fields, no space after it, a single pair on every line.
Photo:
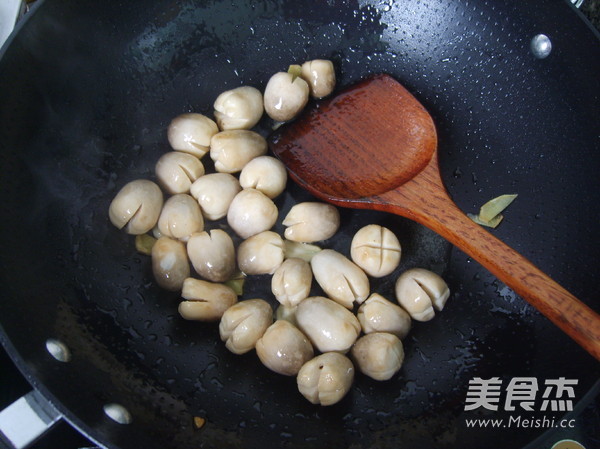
[244,323]
[231,150]
[176,171]
[212,255]
[264,173]
[291,282]
[326,379]
[261,253]
[340,278]
[420,291]
[320,76]
[377,314]
[376,250]
[180,217]
[205,301]
[191,133]
[136,207]
[215,192]
[309,222]
[239,108]
[285,96]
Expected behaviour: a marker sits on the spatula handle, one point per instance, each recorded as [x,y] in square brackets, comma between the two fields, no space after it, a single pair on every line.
[428,203]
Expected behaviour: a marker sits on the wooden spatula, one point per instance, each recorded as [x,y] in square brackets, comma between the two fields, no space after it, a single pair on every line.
[374,146]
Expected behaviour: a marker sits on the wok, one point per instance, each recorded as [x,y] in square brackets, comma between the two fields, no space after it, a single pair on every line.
[87,90]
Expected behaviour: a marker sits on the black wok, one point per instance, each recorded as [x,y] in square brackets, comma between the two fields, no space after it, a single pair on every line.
[86,91]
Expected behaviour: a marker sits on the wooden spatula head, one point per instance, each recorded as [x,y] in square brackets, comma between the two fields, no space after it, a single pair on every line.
[367,140]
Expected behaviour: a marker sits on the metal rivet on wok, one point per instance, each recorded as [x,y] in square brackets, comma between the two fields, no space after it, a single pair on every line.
[58,350]
[541,46]
[118,413]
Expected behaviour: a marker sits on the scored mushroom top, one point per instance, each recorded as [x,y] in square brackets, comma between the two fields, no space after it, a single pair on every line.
[244,323]
[377,314]
[239,108]
[232,149]
[420,291]
[261,253]
[340,278]
[320,76]
[176,171]
[191,133]
[311,221]
[180,217]
[215,192]
[264,173]
[285,96]
[291,282]
[326,379]
[212,255]
[376,250]
[204,300]
[136,207]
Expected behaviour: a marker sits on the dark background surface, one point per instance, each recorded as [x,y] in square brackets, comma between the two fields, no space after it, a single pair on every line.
[13,385]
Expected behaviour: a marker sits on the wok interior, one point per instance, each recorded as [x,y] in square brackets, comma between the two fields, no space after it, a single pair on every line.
[93,87]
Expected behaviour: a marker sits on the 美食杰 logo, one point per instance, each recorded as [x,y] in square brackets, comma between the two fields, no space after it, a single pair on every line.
[519,395]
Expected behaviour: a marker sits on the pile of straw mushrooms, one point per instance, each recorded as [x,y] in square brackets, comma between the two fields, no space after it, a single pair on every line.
[189,220]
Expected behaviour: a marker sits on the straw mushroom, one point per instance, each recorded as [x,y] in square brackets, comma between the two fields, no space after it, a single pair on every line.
[378,355]
[326,379]
[191,133]
[205,301]
[136,207]
[291,282]
[376,250]
[261,253]
[328,325]
[251,212]
[264,173]
[420,291]
[215,192]
[176,171]
[180,217]
[285,96]
[239,108]
[342,280]
[309,222]
[377,314]
[244,323]
[232,149]
[283,348]
[320,76]
[169,263]
[212,255]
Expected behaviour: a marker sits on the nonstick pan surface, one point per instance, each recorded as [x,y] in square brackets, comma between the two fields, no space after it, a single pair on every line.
[87,91]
